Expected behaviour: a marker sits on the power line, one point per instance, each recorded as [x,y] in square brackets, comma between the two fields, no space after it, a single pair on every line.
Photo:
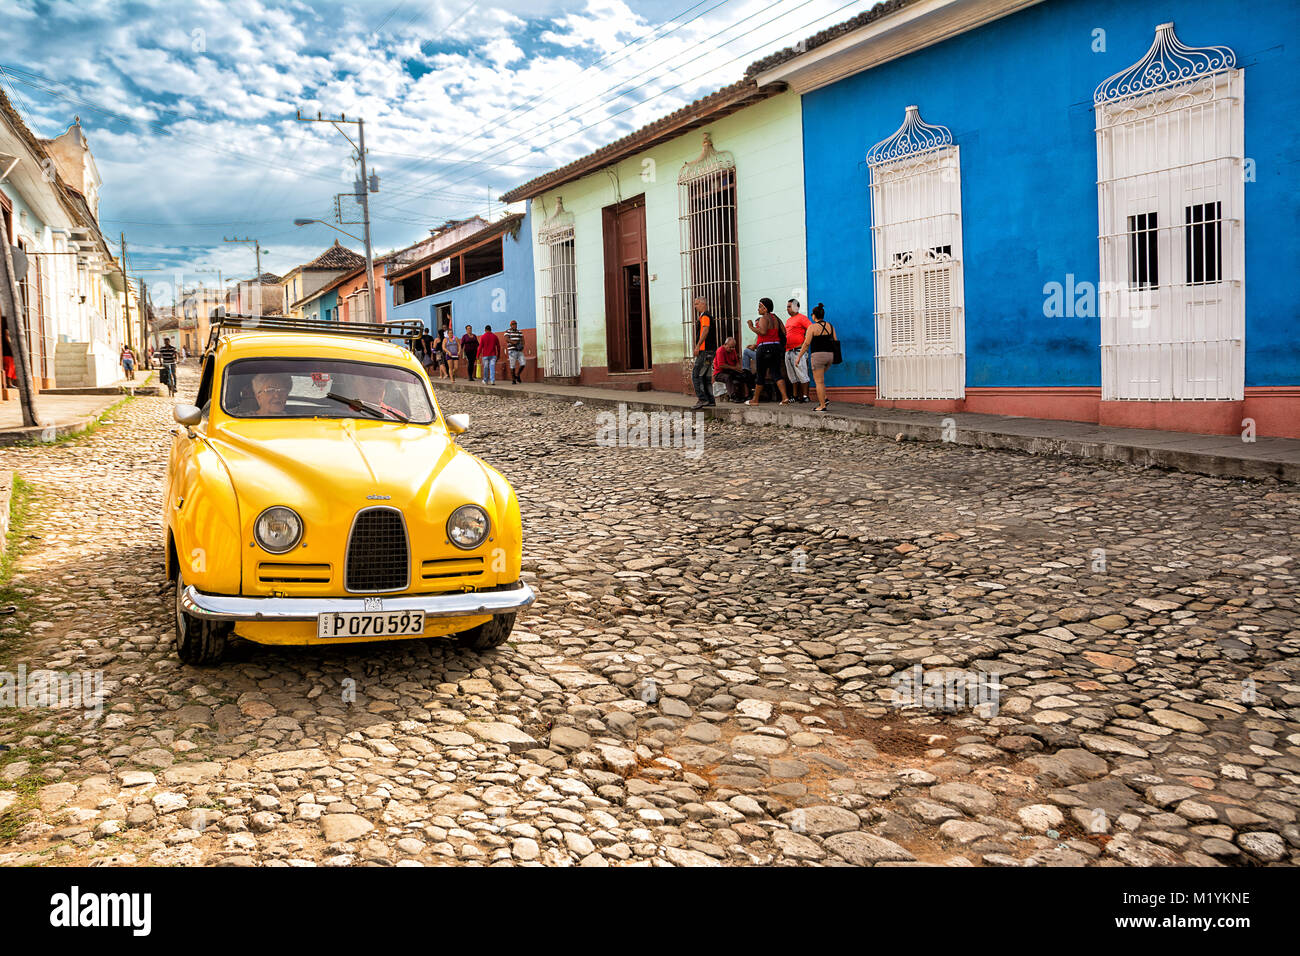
[434,177]
[712,68]
[554,92]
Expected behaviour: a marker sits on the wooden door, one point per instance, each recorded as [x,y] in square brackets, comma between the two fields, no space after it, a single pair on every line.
[627,296]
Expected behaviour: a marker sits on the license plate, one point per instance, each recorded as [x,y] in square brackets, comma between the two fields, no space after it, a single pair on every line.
[369,623]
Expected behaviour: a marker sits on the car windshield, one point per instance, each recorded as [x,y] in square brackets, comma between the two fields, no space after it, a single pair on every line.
[324,388]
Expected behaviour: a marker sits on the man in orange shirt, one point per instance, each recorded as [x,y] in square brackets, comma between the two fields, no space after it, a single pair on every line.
[706,344]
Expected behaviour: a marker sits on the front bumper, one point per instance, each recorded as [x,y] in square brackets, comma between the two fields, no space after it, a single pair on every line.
[223,607]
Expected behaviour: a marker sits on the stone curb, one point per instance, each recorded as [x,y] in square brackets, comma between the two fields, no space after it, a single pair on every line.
[1202,463]
[42,433]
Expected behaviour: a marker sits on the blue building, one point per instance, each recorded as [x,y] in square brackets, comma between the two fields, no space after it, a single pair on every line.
[1052,208]
[469,273]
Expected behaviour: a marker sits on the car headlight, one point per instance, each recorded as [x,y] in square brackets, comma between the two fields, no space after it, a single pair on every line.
[468,526]
[277,529]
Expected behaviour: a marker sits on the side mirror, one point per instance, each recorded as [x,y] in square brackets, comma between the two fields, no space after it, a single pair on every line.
[187,415]
[457,424]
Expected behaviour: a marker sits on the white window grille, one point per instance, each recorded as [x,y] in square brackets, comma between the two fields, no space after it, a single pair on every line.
[917,261]
[560,352]
[706,195]
[1171,200]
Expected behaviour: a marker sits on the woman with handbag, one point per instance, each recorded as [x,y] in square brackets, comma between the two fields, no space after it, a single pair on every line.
[824,346]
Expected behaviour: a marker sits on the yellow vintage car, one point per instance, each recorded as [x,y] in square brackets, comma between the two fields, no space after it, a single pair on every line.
[315,494]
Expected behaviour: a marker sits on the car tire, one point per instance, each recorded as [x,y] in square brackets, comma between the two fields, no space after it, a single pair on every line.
[488,635]
[198,642]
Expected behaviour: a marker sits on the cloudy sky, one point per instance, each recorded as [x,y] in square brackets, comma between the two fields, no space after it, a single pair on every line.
[189,105]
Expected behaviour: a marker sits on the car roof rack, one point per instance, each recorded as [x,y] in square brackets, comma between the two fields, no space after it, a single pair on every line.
[406,330]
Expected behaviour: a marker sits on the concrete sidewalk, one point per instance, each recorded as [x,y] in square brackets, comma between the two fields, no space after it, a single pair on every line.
[1225,456]
[60,415]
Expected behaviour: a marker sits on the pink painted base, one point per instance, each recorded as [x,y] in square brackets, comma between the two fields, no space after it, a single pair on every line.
[1201,418]
[1274,409]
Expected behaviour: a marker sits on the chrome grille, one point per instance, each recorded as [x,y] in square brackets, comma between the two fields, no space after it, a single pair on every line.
[378,558]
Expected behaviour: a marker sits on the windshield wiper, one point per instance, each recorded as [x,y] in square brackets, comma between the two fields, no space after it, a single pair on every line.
[357,405]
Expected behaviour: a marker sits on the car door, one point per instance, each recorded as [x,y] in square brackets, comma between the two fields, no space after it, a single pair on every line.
[181,469]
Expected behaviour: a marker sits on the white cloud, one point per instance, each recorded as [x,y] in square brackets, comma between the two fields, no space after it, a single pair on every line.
[210,134]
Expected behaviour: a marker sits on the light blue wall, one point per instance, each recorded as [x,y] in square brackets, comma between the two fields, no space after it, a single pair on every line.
[1017,95]
[493,300]
[316,308]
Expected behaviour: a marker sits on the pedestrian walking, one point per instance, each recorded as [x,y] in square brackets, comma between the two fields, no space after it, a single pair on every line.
[819,343]
[469,346]
[128,363]
[489,350]
[771,352]
[796,363]
[440,352]
[451,352]
[515,352]
[706,346]
[728,371]
[167,357]
[427,351]
[148,358]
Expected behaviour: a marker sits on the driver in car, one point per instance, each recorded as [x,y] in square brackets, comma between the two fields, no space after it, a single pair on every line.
[374,391]
[271,392]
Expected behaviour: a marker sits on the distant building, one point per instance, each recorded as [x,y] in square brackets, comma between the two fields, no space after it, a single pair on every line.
[301,283]
[74,299]
[468,273]
[261,296]
[347,298]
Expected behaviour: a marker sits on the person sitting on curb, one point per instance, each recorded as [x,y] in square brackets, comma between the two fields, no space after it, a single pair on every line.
[727,370]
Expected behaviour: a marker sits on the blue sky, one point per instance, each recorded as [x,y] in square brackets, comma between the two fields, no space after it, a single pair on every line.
[189,106]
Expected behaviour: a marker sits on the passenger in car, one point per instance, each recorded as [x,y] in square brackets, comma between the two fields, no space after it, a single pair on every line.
[271,392]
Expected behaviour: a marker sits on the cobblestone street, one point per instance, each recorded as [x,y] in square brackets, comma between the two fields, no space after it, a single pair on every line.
[710,673]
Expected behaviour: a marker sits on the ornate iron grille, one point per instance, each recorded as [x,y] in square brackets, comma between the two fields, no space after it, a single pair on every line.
[378,557]
[916,248]
[559,294]
[706,195]
[1171,199]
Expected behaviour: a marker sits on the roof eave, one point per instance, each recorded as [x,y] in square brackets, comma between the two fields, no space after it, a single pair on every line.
[896,34]
[497,228]
[736,97]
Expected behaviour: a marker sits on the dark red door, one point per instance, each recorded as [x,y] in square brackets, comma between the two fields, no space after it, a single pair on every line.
[627,297]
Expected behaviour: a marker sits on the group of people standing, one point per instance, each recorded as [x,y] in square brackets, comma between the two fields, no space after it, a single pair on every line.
[444,352]
[788,354]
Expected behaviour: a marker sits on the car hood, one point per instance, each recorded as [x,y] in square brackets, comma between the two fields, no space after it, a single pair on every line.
[330,467]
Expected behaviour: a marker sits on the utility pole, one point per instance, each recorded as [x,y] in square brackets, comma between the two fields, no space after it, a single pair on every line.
[126,291]
[257,248]
[144,315]
[9,303]
[366,185]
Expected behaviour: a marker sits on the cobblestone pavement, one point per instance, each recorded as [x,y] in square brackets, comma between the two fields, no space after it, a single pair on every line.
[708,676]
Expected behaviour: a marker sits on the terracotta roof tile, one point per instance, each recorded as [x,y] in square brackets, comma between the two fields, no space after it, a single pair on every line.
[879,11]
[336,256]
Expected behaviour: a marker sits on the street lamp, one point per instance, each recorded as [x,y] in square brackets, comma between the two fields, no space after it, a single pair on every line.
[370,280]
[308,222]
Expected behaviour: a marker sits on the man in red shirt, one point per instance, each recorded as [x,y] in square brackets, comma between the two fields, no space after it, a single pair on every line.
[796,327]
[727,370]
[489,347]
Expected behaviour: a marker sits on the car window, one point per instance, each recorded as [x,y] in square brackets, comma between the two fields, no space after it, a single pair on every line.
[323,388]
[204,398]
